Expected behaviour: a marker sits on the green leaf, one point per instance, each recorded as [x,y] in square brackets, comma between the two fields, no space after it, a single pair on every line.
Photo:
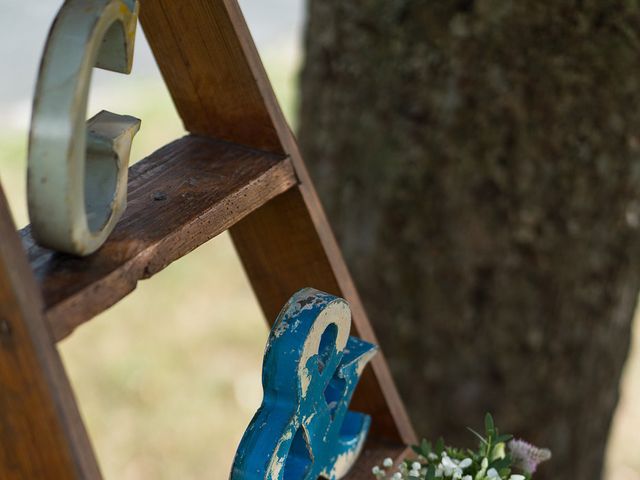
[489,426]
[426,448]
[431,473]
[423,449]
[504,438]
[482,439]
[501,463]
[439,447]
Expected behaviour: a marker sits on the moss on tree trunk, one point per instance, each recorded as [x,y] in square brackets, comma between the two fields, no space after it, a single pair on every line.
[480,162]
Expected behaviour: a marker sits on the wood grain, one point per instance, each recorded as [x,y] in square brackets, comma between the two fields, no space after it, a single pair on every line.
[41,432]
[196,49]
[205,52]
[181,196]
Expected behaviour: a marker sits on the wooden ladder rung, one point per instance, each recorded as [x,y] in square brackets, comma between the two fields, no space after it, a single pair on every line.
[376,450]
[179,197]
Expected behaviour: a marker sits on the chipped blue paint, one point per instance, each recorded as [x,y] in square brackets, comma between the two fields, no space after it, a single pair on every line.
[303,429]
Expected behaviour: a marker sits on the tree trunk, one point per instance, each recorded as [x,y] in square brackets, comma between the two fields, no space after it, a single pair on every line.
[480,162]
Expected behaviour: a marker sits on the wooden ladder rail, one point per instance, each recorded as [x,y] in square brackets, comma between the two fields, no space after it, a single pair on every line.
[239,170]
[220,88]
[41,432]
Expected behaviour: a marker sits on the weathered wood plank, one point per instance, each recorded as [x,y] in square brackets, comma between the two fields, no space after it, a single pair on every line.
[197,51]
[41,432]
[214,73]
[179,197]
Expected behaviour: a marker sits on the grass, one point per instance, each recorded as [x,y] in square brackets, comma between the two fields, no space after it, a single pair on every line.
[169,378]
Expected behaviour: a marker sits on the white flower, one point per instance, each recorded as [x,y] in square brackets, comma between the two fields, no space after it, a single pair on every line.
[451,468]
[387,462]
[465,463]
[517,477]
[416,466]
[397,476]
[378,472]
[493,473]
[483,469]
[467,477]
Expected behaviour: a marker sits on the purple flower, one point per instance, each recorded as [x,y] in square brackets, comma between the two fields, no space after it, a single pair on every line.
[527,457]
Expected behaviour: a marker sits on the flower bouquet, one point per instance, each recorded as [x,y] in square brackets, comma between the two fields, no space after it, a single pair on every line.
[498,457]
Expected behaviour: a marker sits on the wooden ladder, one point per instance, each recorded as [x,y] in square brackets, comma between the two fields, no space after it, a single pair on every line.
[239,169]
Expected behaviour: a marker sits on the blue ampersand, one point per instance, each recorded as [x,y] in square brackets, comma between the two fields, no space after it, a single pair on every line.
[303,429]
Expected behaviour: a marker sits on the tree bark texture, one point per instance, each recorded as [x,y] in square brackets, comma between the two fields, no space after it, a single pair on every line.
[480,163]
